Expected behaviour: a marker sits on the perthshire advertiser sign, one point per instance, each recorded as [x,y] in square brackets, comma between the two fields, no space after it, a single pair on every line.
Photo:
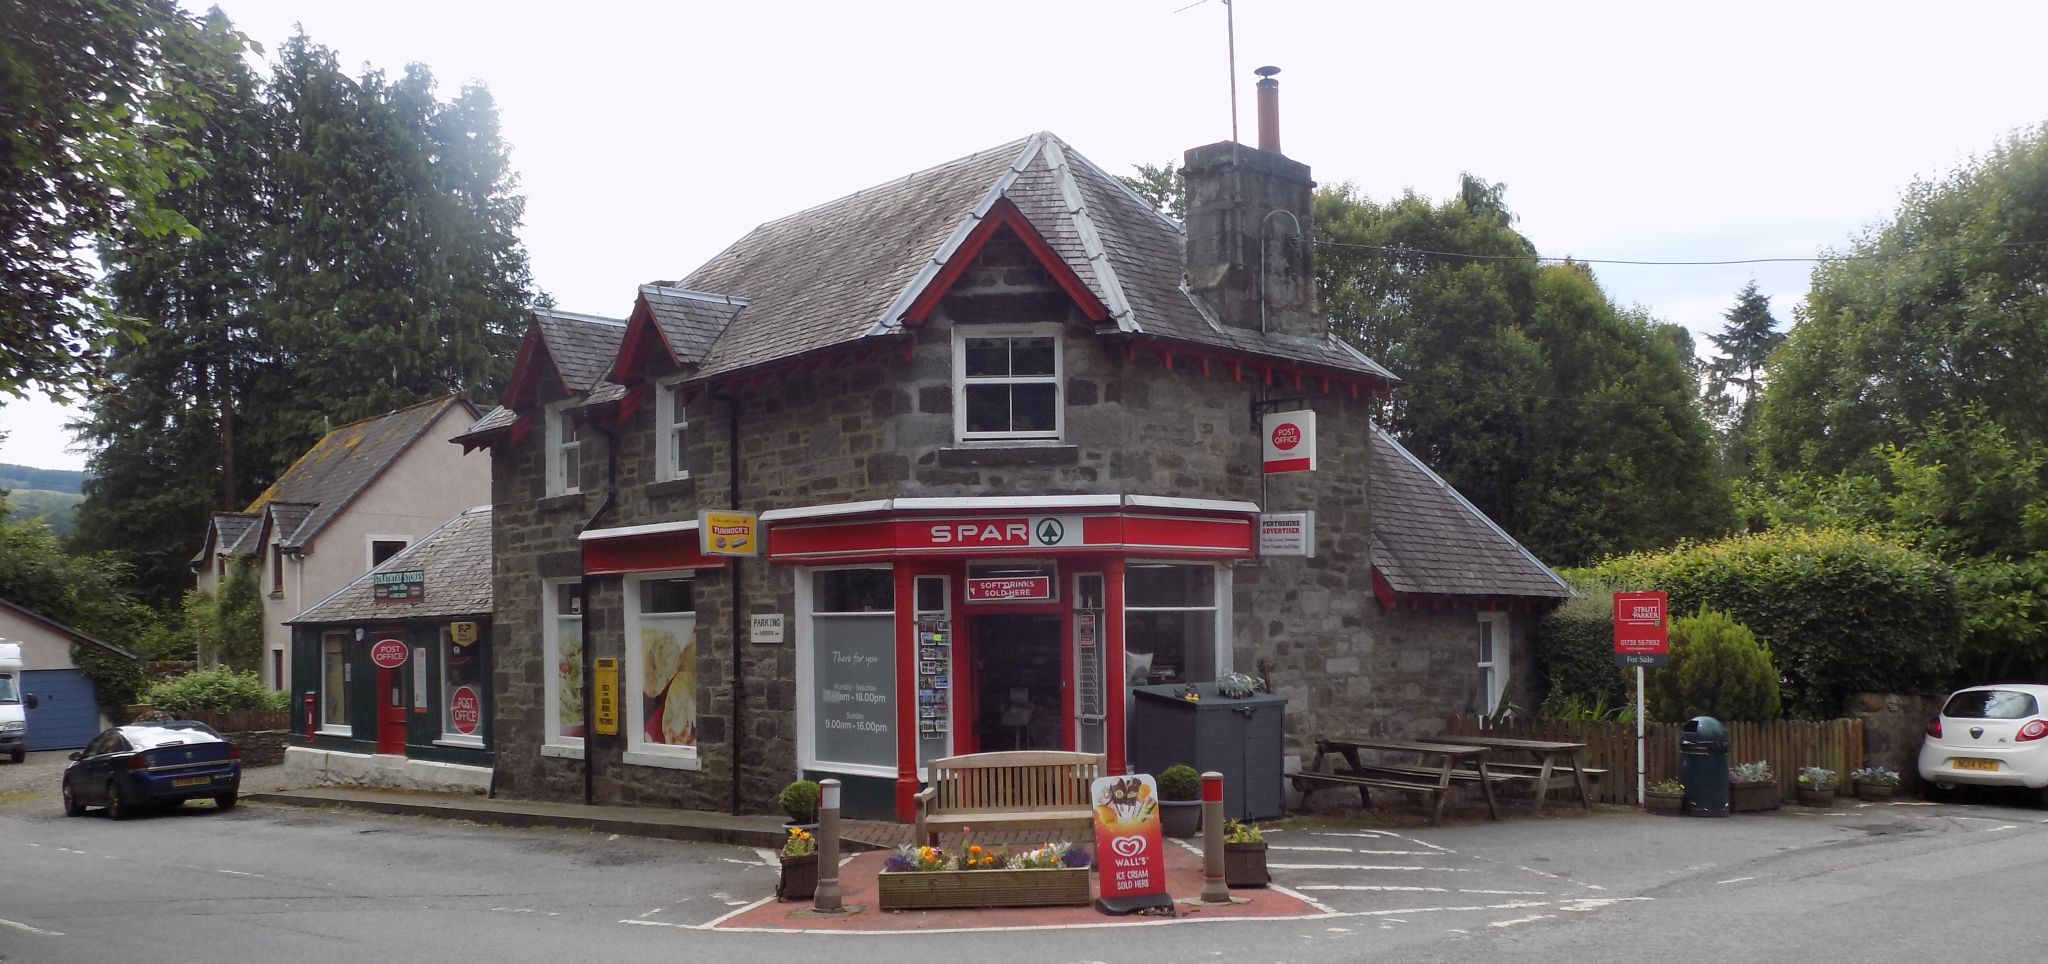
[1640,636]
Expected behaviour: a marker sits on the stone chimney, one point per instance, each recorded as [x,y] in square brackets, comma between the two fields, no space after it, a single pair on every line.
[1237,196]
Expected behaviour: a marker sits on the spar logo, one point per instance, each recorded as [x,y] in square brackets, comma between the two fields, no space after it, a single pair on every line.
[1050,532]
[1011,533]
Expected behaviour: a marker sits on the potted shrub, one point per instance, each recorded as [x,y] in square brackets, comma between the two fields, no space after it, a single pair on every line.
[1875,783]
[1244,855]
[1752,787]
[1180,801]
[1664,796]
[1816,787]
[799,880]
[800,801]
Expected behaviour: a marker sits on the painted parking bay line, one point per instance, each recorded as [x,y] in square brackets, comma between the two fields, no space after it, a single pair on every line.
[17,925]
[1388,867]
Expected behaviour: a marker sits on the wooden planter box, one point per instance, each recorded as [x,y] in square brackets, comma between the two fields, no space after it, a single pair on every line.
[799,880]
[1876,791]
[1809,797]
[1244,865]
[1657,801]
[1753,797]
[940,889]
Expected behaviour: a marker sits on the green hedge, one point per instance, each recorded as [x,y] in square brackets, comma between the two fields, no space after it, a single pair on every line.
[1717,669]
[1840,611]
[219,688]
[1575,648]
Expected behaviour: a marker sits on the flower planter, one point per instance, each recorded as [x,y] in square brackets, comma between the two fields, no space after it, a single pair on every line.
[799,880]
[1658,801]
[1753,797]
[1244,865]
[1809,797]
[1876,791]
[1180,819]
[940,889]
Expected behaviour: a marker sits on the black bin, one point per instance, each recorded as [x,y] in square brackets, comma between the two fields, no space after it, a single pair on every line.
[1703,766]
[1245,740]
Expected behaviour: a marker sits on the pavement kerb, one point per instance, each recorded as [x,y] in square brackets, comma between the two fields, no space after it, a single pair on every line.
[744,831]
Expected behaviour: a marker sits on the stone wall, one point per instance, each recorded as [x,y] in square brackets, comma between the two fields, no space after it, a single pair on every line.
[1893,727]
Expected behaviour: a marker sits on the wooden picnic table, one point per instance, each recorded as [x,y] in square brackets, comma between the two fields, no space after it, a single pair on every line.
[1558,764]
[1453,762]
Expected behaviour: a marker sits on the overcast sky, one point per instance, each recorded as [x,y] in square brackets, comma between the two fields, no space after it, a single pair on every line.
[650,135]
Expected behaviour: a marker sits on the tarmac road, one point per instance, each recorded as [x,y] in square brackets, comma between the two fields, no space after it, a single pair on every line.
[265,883]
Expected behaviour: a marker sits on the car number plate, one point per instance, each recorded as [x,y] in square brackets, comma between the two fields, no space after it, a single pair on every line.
[191,781]
[1972,763]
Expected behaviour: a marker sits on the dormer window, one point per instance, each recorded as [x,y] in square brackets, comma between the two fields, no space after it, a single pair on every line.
[565,450]
[671,433]
[1006,382]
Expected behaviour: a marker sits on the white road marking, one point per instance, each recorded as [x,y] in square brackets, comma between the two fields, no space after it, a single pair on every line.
[17,925]
[1580,905]
[1734,880]
[1304,898]
[769,857]
[1392,867]
[240,873]
[1351,850]
[1338,930]
[1376,888]
[2010,826]
[1532,918]
[1540,873]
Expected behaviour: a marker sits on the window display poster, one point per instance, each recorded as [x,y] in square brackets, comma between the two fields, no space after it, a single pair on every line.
[855,666]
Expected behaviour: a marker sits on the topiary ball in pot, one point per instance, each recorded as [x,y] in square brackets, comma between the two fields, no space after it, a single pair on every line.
[1180,801]
[800,801]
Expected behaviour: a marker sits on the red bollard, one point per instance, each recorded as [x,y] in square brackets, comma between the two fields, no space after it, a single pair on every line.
[1214,889]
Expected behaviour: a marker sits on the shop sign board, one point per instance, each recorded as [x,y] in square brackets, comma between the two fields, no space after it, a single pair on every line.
[1287,533]
[1014,535]
[728,533]
[765,627]
[1640,635]
[1016,532]
[403,586]
[463,633]
[1017,588]
[1130,864]
[1290,441]
[465,710]
[388,653]
[604,682]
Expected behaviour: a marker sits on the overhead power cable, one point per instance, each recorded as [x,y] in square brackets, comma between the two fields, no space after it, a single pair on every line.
[1403,249]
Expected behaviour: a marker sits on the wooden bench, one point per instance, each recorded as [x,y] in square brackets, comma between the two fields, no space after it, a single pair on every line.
[1459,763]
[1007,791]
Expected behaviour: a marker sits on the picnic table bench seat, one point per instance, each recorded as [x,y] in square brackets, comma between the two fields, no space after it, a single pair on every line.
[1010,790]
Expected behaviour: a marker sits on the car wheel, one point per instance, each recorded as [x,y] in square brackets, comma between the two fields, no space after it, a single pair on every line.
[225,801]
[72,808]
[117,808]
[20,754]
[1937,793]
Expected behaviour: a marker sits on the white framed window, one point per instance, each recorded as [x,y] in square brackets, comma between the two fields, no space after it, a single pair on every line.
[334,674]
[1493,662]
[565,449]
[671,433]
[661,667]
[846,670]
[462,691]
[1007,382]
[384,547]
[562,672]
[1176,623]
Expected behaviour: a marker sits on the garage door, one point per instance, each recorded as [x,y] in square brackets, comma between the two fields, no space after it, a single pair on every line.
[66,715]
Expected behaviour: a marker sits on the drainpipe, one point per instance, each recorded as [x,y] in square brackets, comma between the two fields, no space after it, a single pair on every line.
[611,491]
[735,572]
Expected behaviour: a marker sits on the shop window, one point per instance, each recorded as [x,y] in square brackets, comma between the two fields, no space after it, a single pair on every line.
[849,662]
[462,690]
[565,450]
[562,640]
[1171,624]
[1006,383]
[1493,661]
[661,669]
[334,674]
[672,434]
[382,549]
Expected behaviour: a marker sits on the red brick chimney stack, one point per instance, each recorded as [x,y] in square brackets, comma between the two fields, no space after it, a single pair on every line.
[1269,109]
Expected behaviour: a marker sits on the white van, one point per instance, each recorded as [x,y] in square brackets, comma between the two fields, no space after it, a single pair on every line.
[13,714]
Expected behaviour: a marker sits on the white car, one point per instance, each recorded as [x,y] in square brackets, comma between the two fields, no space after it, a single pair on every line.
[1994,736]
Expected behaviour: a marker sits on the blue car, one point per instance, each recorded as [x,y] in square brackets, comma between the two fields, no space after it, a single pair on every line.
[132,768]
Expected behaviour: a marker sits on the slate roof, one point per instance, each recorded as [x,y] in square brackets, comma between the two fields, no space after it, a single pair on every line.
[1428,540]
[228,529]
[582,346]
[849,269]
[690,320]
[457,561]
[338,468]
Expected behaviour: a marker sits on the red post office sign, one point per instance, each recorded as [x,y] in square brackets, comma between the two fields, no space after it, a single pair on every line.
[1026,588]
[1290,441]
[465,710]
[1130,865]
[388,653]
[1640,635]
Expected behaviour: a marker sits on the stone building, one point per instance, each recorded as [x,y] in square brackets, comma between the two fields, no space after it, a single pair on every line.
[1001,422]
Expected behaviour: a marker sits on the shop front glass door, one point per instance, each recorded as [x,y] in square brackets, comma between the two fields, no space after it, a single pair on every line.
[1017,682]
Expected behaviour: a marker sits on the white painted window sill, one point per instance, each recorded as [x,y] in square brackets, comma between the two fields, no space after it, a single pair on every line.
[343,732]
[562,751]
[666,761]
[467,743]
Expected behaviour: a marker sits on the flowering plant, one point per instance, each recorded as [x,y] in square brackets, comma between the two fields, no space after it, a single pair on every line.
[799,843]
[1041,858]
[1237,831]
[1756,771]
[977,858]
[1877,775]
[1817,778]
[908,859]
[1668,786]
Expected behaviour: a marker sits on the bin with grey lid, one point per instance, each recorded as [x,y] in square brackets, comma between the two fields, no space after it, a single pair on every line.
[1243,739]
[1703,766]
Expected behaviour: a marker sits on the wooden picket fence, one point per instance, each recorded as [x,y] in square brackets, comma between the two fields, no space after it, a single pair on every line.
[1786,744]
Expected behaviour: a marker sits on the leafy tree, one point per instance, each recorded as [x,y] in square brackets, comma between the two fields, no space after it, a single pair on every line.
[1162,186]
[85,592]
[1742,347]
[93,94]
[1718,669]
